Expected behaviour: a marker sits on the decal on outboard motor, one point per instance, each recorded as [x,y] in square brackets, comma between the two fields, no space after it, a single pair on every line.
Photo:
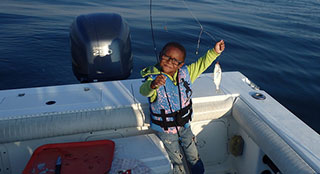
[100,47]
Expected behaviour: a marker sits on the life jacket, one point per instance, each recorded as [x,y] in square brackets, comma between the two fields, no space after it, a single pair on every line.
[173,105]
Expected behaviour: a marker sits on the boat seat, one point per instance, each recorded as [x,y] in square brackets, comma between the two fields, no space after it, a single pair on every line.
[76,109]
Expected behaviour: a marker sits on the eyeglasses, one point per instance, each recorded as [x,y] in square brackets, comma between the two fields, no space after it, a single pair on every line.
[174,60]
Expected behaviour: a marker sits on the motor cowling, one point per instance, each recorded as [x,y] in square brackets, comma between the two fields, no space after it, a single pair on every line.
[100,47]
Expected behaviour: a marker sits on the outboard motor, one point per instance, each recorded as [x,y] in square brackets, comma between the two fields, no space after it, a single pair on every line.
[100,47]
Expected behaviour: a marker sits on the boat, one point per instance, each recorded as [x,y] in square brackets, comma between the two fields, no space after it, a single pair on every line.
[115,110]
[240,129]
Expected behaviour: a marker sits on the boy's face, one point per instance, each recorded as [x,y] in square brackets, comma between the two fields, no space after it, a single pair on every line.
[171,60]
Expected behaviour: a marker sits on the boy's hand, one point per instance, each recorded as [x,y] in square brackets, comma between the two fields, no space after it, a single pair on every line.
[159,81]
[219,47]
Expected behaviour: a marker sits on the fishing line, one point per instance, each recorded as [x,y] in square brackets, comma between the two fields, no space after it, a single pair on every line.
[217,69]
[193,16]
[201,28]
[151,25]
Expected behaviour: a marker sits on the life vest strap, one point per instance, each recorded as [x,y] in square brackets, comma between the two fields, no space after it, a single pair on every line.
[179,117]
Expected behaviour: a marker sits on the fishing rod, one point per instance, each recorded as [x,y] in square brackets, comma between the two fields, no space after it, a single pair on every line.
[184,159]
[196,52]
[193,16]
[217,73]
[201,28]
[151,25]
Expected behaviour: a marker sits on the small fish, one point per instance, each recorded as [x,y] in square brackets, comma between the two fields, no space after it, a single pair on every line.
[217,75]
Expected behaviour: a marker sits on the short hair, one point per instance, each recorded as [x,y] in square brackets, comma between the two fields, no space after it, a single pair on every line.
[176,45]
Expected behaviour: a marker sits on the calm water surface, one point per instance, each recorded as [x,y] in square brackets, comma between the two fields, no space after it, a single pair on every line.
[274,43]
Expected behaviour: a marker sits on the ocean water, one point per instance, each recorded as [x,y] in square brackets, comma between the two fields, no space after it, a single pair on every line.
[274,43]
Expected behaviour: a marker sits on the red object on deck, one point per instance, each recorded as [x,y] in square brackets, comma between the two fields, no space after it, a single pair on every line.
[77,157]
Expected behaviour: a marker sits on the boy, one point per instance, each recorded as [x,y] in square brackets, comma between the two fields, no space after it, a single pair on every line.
[168,87]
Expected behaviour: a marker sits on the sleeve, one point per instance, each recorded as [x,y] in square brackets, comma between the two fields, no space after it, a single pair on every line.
[147,91]
[197,68]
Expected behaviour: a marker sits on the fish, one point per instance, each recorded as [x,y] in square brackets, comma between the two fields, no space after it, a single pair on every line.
[217,75]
